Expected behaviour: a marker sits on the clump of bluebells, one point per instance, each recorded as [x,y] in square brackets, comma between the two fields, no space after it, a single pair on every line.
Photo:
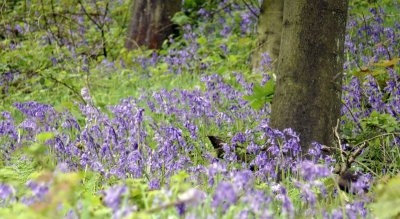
[133,142]
[371,90]
[372,85]
[157,135]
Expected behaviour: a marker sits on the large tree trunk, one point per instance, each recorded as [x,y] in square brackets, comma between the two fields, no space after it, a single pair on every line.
[150,23]
[269,30]
[310,67]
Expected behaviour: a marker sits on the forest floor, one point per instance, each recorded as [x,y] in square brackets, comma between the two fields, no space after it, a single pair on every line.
[127,134]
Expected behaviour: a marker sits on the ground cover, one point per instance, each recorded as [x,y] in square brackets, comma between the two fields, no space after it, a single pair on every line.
[85,134]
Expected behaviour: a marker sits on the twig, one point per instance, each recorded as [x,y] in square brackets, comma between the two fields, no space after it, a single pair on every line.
[136,44]
[80,13]
[353,157]
[395,139]
[55,21]
[87,14]
[102,31]
[339,141]
[251,10]
[354,118]
[378,136]
[100,26]
[46,26]
[364,144]
[365,27]
[212,13]
[69,87]
[369,169]
[324,147]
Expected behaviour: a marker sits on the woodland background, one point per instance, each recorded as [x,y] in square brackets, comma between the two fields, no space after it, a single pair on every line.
[90,129]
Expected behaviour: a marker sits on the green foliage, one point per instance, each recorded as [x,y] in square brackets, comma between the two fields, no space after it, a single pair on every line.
[65,188]
[193,4]
[52,73]
[387,204]
[262,95]
[378,136]
[361,3]
[44,136]
[365,4]
[181,19]
[379,122]
[47,61]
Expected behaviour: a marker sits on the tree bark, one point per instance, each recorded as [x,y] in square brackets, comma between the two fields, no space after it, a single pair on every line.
[310,68]
[150,23]
[269,30]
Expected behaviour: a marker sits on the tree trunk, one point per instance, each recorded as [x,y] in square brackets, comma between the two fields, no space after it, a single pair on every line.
[150,23]
[269,30]
[310,68]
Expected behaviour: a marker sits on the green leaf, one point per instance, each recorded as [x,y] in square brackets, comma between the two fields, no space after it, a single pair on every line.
[389,129]
[188,4]
[181,19]
[330,185]
[261,95]
[259,91]
[180,177]
[44,136]
[221,70]
[269,87]
[36,149]
[7,175]
[201,41]
[248,98]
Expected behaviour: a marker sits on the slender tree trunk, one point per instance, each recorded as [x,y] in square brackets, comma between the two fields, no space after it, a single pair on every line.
[150,23]
[310,67]
[269,30]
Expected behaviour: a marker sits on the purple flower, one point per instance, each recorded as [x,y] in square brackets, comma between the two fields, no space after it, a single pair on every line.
[19,28]
[154,184]
[202,12]
[224,195]
[307,194]
[315,151]
[113,197]
[180,208]
[39,190]
[281,195]
[265,59]
[354,210]
[310,171]
[243,179]
[6,194]
[362,184]
[238,137]
[258,203]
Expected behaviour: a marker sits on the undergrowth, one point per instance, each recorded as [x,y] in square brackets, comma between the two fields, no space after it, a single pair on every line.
[89,129]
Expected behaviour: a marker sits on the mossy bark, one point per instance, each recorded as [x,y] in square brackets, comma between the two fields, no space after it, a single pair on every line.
[269,30]
[310,67]
[150,23]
